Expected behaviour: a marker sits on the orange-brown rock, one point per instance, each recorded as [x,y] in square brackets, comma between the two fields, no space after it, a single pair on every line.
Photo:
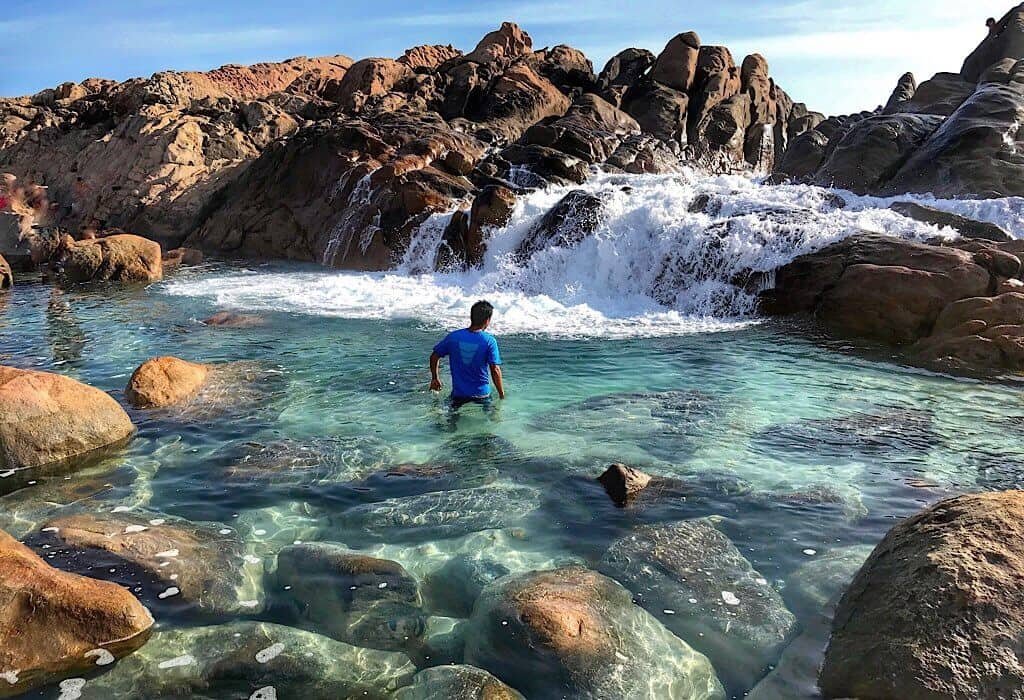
[503,44]
[55,624]
[47,418]
[182,257]
[676,65]
[165,381]
[937,611]
[117,258]
[429,55]
[623,483]
[367,78]
[6,276]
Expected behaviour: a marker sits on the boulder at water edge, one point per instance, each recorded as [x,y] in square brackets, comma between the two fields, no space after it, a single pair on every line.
[47,418]
[164,381]
[6,276]
[237,660]
[937,611]
[571,632]
[53,624]
[352,597]
[623,483]
[177,564]
[118,258]
[694,580]
[462,682]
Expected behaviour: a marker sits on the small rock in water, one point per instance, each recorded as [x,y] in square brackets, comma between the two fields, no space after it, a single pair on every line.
[177,662]
[730,598]
[623,483]
[172,591]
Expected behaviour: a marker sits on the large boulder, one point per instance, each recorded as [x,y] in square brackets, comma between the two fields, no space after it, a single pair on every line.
[257,660]
[428,56]
[697,583]
[936,612]
[968,228]
[351,597]
[982,334]
[176,565]
[571,632]
[591,130]
[874,149]
[877,287]
[659,109]
[976,151]
[370,77]
[118,258]
[575,217]
[504,44]
[56,624]
[164,381]
[462,682]
[625,68]
[941,95]
[676,65]
[716,80]
[47,418]
[516,100]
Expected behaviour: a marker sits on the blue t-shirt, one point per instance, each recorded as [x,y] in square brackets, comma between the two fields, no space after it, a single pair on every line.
[470,355]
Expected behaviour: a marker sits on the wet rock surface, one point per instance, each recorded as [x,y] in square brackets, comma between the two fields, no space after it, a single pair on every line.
[56,624]
[351,597]
[241,658]
[165,381]
[934,609]
[174,565]
[456,682]
[571,631]
[696,582]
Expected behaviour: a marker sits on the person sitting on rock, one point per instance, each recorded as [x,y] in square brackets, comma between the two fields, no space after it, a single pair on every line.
[472,353]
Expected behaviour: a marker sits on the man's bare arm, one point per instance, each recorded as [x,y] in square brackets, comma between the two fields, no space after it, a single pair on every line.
[496,378]
[435,378]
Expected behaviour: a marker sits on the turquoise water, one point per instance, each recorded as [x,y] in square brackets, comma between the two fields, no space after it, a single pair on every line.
[800,450]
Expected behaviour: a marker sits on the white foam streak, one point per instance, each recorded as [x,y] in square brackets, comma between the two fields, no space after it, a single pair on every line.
[651,268]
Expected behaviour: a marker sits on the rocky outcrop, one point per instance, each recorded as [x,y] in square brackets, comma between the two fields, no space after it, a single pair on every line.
[351,597]
[339,162]
[936,609]
[117,258]
[56,624]
[47,418]
[164,381]
[955,135]
[573,632]
[968,228]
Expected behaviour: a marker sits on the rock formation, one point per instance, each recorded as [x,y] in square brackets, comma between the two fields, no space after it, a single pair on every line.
[954,135]
[936,610]
[47,418]
[339,162]
[957,306]
[55,624]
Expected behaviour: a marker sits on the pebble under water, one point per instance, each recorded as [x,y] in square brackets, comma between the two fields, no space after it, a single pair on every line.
[779,461]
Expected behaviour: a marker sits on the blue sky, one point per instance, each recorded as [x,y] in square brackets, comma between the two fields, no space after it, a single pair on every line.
[837,57]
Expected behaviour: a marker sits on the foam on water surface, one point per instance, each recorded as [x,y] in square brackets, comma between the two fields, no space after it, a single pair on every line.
[652,268]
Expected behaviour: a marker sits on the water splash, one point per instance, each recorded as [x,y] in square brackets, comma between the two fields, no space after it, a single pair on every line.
[652,266]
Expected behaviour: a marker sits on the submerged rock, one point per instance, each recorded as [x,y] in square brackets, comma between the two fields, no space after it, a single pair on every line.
[815,587]
[968,228]
[47,418]
[165,381]
[351,597]
[237,660]
[694,580]
[462,682]
[55,624]
[442,514]
[230,319]
[572,632]
[936,609]
[177,564]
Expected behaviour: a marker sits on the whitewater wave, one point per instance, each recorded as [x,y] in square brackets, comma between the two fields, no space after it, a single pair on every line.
[651,268]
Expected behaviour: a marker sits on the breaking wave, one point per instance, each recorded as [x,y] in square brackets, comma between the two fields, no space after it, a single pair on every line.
[651,267]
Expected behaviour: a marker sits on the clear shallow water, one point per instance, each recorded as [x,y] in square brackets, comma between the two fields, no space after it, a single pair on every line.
[797,447]
[634,347]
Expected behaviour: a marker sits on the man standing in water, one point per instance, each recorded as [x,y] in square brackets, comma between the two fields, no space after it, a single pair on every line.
[472,354]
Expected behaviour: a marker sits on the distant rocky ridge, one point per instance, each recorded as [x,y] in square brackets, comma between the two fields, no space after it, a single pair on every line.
[336,161]
[954,135]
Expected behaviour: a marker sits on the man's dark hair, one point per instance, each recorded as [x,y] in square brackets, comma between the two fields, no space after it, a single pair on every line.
[990,22]
[480,313]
